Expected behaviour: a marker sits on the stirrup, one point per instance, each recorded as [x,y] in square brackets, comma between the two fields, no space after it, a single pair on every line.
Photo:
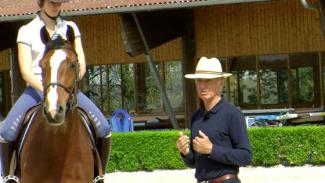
[11,178]
[99,178]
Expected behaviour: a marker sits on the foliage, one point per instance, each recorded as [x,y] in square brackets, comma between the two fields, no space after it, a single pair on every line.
[288,146]
[150,150]
[147,150]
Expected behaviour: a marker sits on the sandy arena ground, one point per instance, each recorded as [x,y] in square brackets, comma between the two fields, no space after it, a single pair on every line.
[277,174]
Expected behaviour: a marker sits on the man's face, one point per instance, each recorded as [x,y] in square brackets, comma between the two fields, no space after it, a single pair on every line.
[208,89]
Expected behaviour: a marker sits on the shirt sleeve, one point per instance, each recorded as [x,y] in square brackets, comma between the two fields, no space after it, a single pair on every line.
[240,154]
[189,159]
[23,37]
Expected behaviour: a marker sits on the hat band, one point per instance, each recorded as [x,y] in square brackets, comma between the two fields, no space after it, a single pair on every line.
[208,72]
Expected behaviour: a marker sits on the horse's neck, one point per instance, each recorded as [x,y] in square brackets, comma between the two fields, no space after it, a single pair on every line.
[70,133]
[56,153]
[69,127]
[72,120]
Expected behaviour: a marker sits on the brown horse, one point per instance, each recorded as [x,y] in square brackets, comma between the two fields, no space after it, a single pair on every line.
[57,148]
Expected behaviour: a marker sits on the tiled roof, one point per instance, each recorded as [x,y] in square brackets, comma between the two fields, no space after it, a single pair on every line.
[11,10]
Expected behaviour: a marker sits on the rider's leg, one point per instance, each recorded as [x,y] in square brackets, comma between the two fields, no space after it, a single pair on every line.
[16,114]
[102,126]
[8,131]
[6,154]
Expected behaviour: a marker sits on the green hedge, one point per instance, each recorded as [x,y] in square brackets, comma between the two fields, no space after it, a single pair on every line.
[150,150]
[288,145]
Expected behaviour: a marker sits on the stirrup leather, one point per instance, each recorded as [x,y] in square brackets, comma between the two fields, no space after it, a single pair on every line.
[10,178]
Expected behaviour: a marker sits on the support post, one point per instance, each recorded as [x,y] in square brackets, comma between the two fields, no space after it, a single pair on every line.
[156,77]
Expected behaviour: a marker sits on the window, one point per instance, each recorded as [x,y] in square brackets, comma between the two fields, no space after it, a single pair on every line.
[128,101]
[303,78]
[174,84]
[244,71]
[233,88]
[132,87]
[273,79]
[152,99]
[96,85]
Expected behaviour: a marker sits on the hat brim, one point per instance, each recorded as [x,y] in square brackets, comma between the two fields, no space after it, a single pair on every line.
[207,76]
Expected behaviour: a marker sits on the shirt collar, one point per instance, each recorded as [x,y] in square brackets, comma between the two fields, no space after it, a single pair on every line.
[217,106]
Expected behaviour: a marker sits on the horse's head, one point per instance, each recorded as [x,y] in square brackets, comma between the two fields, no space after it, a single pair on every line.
[60,74]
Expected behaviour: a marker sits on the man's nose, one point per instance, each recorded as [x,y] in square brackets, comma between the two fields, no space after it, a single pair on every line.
[202,84]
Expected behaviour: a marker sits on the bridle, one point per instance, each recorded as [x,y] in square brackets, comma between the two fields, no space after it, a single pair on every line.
[73,91]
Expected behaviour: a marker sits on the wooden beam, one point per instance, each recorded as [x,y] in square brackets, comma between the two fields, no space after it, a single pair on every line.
[8,35]
[158,28]
[321,8]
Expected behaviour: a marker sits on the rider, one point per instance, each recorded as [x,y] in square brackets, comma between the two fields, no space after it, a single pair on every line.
[30,51]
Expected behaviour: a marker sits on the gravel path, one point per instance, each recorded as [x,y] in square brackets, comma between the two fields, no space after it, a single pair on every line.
[277,174]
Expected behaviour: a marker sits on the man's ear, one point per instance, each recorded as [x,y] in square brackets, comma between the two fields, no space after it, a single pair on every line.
[70,34]
[45,36]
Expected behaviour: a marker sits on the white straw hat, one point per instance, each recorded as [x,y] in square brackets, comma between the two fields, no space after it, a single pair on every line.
[208,69]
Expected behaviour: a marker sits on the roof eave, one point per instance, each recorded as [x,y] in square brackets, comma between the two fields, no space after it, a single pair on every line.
[129,9]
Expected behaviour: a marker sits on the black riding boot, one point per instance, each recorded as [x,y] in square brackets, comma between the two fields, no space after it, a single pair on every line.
[7,150]
[6,154]
[104,149]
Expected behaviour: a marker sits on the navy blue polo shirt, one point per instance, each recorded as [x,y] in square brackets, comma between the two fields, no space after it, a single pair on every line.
[226,128]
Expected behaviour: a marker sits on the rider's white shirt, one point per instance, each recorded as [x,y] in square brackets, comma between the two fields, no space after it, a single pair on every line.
[29,34]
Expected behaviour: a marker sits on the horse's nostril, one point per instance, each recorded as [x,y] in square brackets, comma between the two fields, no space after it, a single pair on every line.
[59,109]
[45,108]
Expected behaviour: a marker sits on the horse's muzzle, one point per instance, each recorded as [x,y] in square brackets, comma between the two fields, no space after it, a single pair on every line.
[54,116]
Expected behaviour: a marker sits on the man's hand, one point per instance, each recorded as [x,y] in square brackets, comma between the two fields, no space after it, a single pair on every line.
[183,144]
[202,143]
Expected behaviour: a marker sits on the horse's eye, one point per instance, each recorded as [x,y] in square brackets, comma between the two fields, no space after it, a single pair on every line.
[74,66]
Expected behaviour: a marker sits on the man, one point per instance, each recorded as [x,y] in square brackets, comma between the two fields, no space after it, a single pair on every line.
[219,142]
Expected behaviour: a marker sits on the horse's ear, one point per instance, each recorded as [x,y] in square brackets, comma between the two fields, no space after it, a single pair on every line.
[70,34]
[45,36]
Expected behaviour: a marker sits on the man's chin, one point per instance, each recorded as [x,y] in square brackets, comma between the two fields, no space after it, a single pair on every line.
[204,97]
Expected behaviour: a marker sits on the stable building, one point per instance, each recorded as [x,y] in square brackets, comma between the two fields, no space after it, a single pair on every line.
[274,48]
